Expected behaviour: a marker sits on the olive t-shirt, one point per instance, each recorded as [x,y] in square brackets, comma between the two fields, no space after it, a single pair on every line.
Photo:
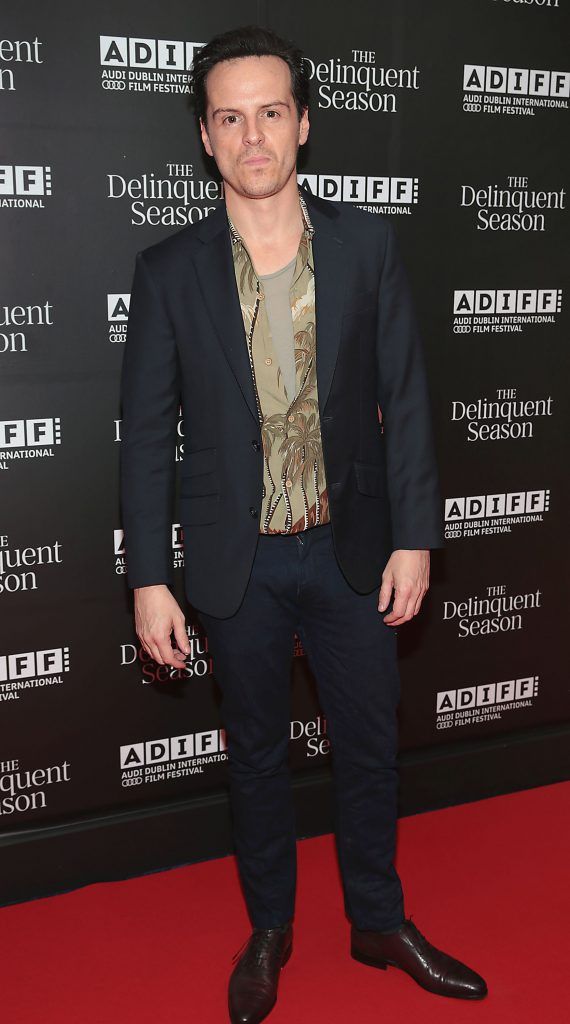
[276,287]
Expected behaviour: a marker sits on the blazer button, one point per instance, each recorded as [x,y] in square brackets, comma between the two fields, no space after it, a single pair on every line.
[253,512]
[256,445]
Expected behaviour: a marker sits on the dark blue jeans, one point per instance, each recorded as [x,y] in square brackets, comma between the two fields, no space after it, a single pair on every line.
[297,586]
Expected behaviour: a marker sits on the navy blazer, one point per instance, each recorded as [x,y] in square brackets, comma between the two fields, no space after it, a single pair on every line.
[186,344]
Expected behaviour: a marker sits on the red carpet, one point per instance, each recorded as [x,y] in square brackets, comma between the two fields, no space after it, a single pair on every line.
[487,882]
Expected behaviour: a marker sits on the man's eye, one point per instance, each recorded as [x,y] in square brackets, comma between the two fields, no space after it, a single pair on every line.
[276,112]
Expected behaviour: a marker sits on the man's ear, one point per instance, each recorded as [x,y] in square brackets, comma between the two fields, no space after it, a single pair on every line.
[205,138]
[304,126]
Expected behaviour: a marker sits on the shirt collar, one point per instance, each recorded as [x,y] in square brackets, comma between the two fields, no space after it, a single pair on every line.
[307,224]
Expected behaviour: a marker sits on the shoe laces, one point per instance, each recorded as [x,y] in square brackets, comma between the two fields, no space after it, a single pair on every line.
[260,945]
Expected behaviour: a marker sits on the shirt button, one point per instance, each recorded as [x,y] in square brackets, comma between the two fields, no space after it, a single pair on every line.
[288,483]
[253,512]
[291,418]
[268,361]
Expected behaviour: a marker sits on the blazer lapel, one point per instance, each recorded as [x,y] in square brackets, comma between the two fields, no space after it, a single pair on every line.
[215,269]
[330,288]
[216,276]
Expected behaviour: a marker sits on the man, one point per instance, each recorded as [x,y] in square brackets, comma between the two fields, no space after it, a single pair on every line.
[309,494]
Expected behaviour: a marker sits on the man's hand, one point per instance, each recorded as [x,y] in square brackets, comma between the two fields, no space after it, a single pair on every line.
[408,572]
[157,613]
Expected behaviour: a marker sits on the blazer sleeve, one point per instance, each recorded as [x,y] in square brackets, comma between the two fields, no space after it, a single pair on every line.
[413,479]
[150,400]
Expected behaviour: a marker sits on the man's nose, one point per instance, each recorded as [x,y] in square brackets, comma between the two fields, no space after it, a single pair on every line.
[252,133]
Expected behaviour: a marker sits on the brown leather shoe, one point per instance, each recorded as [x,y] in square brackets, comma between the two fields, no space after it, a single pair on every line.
[408,949]
[252,991]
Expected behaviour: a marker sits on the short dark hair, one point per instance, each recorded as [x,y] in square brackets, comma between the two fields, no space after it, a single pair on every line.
[248,41]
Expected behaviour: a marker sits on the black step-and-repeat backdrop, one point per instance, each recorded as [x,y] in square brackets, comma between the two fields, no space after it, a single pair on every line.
[450,119]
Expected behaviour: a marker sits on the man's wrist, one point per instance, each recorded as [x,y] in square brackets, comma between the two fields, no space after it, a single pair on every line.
[152,586]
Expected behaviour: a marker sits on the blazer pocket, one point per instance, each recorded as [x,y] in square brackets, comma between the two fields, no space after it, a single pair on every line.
[370,479]
[199,510]
[196,463]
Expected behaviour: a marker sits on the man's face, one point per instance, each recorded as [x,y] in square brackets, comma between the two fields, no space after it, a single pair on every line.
[252,129]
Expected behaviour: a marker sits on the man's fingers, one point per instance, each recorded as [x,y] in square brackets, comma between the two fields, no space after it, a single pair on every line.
[155,653]
[162,651]
[155,647]
[157,615]
[408,573]
[404,602]
[411,608]
[401,601]
[167,654]
[385,594]
[181,637]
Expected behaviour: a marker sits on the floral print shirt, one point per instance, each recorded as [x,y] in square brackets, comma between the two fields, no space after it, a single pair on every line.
[294,484]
